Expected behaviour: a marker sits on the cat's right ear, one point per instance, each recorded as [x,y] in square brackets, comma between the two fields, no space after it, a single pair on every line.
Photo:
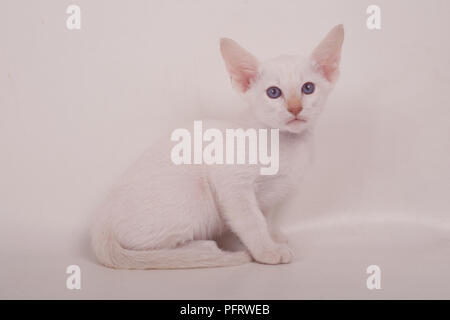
[241,65]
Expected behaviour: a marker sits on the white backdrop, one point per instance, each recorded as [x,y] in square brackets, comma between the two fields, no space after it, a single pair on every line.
[77,107]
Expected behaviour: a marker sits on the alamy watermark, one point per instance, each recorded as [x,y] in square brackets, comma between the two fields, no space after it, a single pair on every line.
[231,151]
[374,280]
[374,19]
[73,21]
[73,281]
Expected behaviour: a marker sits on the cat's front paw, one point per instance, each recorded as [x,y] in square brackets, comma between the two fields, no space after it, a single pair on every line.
[280,253]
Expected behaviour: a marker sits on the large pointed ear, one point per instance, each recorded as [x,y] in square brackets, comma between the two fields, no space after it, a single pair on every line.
[241,65]
[327,55]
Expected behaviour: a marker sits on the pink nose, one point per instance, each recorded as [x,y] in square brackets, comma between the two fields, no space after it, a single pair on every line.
[295,110]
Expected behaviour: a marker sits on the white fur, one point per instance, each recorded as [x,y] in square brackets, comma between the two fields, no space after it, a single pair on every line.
[161,215]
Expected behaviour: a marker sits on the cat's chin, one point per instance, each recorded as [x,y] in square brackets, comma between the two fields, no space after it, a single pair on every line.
[295,126]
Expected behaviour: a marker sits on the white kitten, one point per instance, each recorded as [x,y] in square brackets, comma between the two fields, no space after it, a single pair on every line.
[161,215]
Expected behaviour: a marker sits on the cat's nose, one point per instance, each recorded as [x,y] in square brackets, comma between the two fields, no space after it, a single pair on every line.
[294,104]
[295,110]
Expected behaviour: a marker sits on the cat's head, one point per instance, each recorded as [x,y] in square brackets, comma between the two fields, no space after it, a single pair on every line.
[287,92]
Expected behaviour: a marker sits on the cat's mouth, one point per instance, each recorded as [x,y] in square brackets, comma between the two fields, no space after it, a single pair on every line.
[296,120]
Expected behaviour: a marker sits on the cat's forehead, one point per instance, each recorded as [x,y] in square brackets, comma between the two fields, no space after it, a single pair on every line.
[285,66]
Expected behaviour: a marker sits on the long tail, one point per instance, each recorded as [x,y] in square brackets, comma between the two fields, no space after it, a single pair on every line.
[193,254]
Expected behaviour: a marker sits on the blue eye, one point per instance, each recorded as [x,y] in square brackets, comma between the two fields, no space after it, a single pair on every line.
[308,88]
[274,92]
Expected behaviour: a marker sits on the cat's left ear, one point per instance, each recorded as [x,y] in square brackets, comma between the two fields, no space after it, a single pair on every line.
[241,65]
[327,54]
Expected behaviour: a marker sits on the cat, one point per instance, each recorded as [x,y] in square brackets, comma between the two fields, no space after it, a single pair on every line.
[166,216]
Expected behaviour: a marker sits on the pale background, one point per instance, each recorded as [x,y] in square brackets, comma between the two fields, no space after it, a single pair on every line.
[77,107]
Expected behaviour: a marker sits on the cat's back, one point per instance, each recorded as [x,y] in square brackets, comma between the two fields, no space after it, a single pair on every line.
[157,168]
